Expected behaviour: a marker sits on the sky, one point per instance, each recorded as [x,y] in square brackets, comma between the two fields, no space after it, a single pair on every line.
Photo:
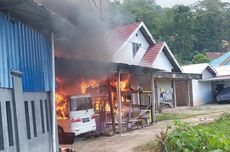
[170,3]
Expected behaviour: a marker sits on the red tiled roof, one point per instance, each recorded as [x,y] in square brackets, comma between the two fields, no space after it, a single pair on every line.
[213,55]
[151,54]
[119,35]
[124,32]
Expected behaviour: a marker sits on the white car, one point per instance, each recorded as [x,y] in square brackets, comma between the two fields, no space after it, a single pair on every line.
[82,116]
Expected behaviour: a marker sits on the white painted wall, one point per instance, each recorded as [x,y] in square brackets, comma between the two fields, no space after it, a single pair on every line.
[202,92]
[162,62]
[166,85]
[125,53]
[206,74]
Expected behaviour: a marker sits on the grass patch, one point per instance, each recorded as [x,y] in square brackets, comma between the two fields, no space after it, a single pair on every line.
[213,137]
[149,147]
[173,116]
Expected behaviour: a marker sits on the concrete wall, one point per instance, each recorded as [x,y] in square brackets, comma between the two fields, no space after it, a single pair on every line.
[162,62]
[125,54]
[202,92]
[41,143]
[6,95]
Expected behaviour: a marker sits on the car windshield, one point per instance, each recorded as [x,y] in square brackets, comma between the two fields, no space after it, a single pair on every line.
[77,104]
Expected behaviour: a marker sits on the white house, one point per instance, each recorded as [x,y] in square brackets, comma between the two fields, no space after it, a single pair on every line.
[202,90]
[133,44]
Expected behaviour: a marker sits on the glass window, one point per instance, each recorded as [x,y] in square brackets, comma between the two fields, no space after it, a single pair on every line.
[47,115]
[34,118]
[135,47]
[80,104]
[9,124]
[42,116]
[1,131]
[27,120]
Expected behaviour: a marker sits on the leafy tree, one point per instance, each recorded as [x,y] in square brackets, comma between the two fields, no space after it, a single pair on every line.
[188,30]
[200,58]
[209,28]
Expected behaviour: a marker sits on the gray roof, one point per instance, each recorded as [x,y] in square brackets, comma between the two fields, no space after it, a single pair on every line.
[37,16]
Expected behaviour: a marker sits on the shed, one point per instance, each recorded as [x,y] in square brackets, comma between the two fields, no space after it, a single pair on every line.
[201,91]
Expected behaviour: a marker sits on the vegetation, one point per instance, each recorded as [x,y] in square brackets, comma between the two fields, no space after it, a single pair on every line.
[200,58]
[188,30]
[173,116]
[214,137]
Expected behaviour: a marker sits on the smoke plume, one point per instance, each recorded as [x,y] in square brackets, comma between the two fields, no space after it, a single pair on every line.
[88,39]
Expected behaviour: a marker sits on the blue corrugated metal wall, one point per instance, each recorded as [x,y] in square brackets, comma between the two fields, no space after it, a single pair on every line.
[26,50]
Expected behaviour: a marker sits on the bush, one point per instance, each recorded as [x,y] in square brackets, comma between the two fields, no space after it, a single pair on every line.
[200,58]
[214,137]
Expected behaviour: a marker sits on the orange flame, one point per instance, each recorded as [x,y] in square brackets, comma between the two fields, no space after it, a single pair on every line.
[61,105]
[88,84]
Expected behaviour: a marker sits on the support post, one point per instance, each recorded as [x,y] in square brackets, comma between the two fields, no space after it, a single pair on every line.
[111,107]
[153,100]
[140,100]
[119,102]
[17,101]
[54,120]
[151,109]
[188,93]
[174,93]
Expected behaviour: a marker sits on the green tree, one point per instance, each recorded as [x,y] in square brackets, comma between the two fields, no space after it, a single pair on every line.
[184,37]
[188,30]
[200,58]
[209,28]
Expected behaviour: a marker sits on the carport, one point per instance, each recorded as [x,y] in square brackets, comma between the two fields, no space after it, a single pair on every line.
[218,83]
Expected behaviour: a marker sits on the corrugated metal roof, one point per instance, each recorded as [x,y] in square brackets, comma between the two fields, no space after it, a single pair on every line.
[213,55]
[199,68]
[38,16]
[222,60]
[195,68]
[223,70]
[26,50]
[218,78]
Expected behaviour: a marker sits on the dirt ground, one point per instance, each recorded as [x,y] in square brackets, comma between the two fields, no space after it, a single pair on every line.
[126,142]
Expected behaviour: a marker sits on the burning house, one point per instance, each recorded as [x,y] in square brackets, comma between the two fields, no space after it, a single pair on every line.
[126,90]
[120,74]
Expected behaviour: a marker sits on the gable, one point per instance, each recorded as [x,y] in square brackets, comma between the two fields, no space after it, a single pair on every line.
[207,74]
[162,62]
[165,59]
[126,55]
[205,69]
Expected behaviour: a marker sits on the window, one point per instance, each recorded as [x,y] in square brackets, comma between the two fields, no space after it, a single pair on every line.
[47,116]
[77,104]
[9,124]
[42,116]
[136,47]
[1,131]
[34,118]
[27,120]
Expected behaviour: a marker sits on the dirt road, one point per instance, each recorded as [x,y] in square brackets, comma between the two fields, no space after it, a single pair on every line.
[126,142]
